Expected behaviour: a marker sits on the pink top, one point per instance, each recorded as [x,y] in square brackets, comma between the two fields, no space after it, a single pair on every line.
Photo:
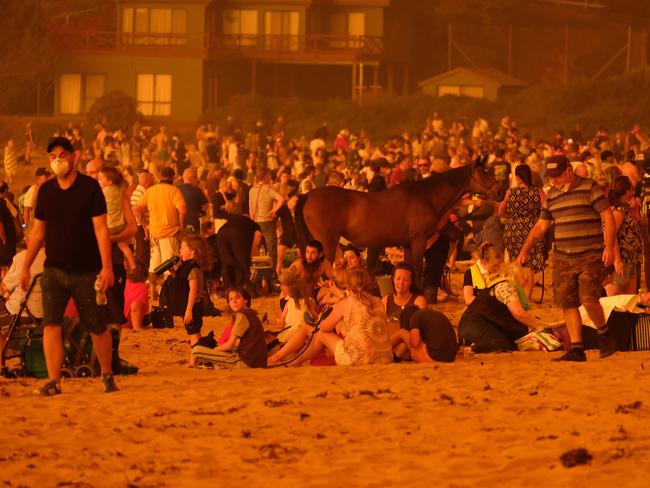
[134,292]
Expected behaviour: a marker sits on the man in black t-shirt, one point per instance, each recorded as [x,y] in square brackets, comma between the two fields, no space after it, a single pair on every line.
[70,217]
[235,243]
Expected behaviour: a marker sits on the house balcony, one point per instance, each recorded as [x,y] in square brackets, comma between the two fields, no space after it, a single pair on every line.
[299,49]
[134,44]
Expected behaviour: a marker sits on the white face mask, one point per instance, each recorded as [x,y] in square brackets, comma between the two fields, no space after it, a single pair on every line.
[60,167]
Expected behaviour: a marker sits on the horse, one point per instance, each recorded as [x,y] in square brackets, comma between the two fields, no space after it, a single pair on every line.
[406,215]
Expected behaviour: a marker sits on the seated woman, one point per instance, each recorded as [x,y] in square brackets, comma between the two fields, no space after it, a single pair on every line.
[403,295]
[352,259]
[356,330]
[337,285]
[297,302]
[497,317]
[474,278]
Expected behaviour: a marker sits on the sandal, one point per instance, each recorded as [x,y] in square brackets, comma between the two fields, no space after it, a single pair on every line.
[50,388]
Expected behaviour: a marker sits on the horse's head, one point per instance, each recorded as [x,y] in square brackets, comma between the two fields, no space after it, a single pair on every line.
[482,182]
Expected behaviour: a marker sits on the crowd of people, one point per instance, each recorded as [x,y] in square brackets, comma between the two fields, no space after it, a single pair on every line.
[146,216]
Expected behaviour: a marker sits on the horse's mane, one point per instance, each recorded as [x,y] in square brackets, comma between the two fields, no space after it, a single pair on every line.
[454,177]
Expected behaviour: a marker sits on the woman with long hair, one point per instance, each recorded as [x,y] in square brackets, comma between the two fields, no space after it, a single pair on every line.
[629,246]
[356,330]
[521,207]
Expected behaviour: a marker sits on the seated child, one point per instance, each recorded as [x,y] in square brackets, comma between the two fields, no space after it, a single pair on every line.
[136,296]
[426,334]
[227,332]
[246,346]
[297,302]
[111,181]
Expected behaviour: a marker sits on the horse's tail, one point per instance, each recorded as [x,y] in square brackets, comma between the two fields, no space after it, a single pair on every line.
[301,226]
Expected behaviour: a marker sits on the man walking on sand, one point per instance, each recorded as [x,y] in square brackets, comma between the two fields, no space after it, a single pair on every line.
[70,216]
[579,208]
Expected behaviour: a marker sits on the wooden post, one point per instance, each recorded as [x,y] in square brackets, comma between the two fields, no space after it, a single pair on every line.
[449,45]
[390,77]
[354,82]
[566,53]
[628,57]
[375,76]
[361,82]
[509,49]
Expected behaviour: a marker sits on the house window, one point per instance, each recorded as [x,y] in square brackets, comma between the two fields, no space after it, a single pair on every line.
[349,28]
[281,29]
[154,26]
[94,88]
[154,94]
[448,90]
[70,93]
[77,92]
[241,27]
[472,91]
[465,91]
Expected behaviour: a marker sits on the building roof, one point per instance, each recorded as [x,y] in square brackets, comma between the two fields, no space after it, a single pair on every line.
[492,74]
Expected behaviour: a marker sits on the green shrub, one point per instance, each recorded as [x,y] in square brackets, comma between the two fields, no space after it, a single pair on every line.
[616,103]
[115,110]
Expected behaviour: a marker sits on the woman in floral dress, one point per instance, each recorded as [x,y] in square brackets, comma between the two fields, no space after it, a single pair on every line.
[628,238]
[521,207]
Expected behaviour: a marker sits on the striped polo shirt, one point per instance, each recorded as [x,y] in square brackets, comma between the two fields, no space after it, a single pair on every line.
[576,214]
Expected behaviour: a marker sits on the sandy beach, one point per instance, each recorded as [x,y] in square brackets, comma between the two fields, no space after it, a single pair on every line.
[484,420]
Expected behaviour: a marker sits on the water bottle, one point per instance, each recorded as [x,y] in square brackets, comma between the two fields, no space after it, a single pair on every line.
[100,296]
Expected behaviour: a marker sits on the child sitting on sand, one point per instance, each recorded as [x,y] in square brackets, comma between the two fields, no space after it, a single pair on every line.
[427,335]
[112,183]
[246,346]
[297,302]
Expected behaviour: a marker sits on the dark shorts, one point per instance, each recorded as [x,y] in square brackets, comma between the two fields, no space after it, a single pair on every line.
[59,286]
[194,327]
[115,296]
[577,281]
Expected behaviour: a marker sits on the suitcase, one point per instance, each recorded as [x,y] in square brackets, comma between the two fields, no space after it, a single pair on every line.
[641,334]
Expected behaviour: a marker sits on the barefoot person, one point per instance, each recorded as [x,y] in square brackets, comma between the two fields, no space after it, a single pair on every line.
[577,206]
[70,216]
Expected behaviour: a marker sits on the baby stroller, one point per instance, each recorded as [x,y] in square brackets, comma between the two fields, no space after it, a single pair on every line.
[21,352]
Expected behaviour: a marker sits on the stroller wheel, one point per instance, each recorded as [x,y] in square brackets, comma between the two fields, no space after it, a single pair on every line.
[84,372]
[67,373]
[7,373]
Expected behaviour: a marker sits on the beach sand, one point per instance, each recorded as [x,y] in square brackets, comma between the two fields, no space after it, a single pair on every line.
[487,420]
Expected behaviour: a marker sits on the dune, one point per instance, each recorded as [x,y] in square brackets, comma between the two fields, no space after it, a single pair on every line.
[486,420]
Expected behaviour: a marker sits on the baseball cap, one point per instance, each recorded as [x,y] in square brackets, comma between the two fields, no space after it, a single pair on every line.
[60,141]
[42,172]
[556,165]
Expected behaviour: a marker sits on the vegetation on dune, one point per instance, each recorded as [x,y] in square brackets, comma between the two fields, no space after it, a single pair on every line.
[615,103]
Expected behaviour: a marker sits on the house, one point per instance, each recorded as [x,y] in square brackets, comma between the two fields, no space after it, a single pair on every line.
[180,58]
[488,83]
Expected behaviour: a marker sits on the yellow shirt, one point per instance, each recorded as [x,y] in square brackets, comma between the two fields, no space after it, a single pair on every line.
[163,202]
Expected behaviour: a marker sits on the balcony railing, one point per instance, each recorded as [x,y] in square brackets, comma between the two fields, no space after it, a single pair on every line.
[147,44]
[271,47]
[281,47]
